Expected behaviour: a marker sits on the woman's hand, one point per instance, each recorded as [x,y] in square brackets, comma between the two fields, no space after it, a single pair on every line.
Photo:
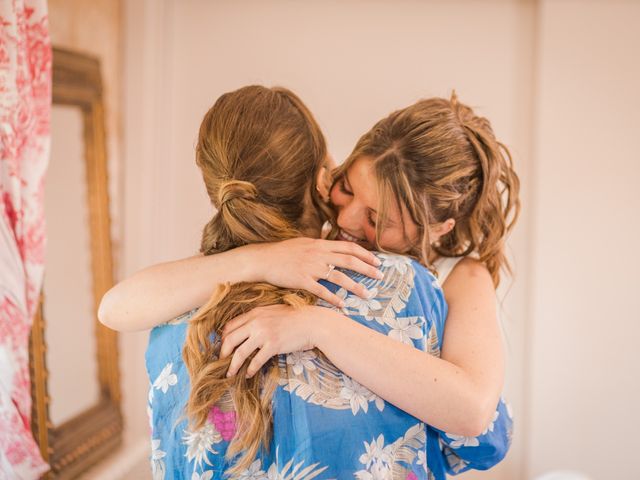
[159,293]
[301,262]
[270,330]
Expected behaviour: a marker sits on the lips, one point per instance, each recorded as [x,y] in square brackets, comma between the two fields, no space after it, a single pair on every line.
[345,236]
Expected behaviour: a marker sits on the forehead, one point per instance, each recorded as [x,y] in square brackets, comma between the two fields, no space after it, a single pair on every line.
[362,179]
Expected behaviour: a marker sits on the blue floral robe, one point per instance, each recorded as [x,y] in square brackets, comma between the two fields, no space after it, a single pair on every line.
[326,425]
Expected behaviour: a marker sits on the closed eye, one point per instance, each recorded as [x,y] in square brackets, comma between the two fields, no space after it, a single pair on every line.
[370,219]
[342,185]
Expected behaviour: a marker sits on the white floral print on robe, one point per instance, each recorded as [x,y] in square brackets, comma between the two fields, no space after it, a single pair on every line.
[326,425]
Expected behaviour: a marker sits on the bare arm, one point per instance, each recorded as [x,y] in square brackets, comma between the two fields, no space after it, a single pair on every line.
[457,392]
[159,293]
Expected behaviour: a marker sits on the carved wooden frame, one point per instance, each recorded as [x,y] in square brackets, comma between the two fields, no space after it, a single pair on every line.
[78,443]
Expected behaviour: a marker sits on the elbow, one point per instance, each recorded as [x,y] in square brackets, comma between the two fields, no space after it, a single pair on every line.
[471,427]
[107,314]
[478,417]
[472,430]
[115,312]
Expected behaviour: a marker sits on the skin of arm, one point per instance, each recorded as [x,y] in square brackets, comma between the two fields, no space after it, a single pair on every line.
[457,392]
[169,289]
[160,293]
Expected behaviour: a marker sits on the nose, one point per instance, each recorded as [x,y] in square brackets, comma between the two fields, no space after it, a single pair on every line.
[350,217]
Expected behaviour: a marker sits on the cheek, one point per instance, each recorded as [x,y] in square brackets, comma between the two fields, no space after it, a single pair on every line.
[393,239]
[336,197]
[370,232]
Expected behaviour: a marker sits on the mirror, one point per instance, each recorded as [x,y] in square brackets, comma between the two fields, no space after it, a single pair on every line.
[73,358]
[67,306]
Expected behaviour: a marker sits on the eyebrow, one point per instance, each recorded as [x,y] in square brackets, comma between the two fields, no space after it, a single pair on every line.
[389,220]
[346,177]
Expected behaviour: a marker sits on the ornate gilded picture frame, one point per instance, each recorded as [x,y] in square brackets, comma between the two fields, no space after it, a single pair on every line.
[77,443]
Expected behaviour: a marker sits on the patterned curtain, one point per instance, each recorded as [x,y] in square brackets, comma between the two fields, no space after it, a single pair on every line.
[25,109]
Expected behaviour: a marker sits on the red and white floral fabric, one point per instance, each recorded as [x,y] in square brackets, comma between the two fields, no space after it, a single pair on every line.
[25,112]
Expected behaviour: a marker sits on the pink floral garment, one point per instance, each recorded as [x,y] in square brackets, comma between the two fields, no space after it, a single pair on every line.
[25,108]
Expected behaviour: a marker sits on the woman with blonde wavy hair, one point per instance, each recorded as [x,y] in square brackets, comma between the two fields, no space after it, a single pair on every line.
[274,378]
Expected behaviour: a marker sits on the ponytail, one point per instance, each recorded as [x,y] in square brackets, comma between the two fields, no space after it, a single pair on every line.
[495,208]
[259,151]
[243,219]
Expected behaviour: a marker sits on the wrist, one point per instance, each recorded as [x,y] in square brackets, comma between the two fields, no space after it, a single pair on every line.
[246,263]
[324,325]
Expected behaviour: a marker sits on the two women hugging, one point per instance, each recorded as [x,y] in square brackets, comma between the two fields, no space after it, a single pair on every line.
[341,322]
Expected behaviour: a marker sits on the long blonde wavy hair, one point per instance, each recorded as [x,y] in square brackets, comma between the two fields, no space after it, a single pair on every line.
[260,151]
[440,160]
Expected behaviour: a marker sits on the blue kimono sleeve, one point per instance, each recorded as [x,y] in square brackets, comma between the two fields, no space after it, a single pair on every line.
[481,452]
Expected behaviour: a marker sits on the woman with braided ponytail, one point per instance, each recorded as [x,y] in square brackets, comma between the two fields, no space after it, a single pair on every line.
[275,378]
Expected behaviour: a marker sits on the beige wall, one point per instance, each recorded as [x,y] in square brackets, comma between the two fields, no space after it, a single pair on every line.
[72,362]
[352,62]
[583,391]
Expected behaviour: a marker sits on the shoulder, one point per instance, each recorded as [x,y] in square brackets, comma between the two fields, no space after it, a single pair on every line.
[394,261]
[172,332]
[468,275]
[402,264]
[184,318]
[469,266]
[419,284]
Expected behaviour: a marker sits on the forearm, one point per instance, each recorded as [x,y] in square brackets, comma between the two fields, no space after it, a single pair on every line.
[161,292]
[431,389]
